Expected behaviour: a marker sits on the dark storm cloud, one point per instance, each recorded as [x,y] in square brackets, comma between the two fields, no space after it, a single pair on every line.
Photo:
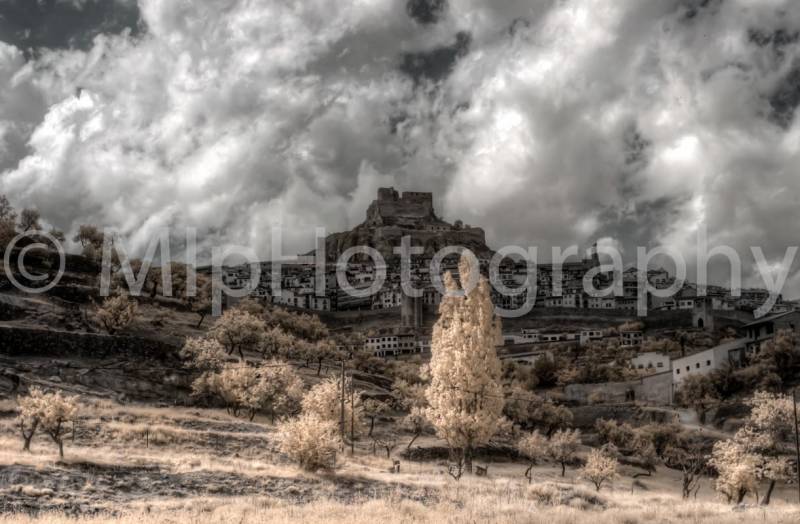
[547,122]
[437,63]
[56,24]
[786,98]
[426,11]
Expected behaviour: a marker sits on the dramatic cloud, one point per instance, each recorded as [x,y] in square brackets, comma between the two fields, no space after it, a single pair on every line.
[546,122]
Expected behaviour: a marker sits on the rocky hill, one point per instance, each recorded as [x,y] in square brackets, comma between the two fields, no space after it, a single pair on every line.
[391,216]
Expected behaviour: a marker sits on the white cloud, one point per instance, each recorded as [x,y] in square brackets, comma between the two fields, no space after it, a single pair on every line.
[564,122]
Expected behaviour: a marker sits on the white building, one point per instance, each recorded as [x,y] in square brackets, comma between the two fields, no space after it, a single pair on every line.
[730,353]
[600,303]
[393,344]
[651,362]
[527,336]
[588,335]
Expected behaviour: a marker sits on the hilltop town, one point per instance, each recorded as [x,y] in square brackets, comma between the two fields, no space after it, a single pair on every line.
[601,409]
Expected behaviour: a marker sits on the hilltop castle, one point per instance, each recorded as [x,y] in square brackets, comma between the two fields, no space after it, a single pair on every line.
[393,215]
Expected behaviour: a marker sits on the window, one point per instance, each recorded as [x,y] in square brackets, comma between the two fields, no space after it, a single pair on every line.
[697,365]
[708,362]
[687,368]
[677,371]
[660,365]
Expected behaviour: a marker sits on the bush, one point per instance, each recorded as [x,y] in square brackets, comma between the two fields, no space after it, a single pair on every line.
[309,440]
[117,313]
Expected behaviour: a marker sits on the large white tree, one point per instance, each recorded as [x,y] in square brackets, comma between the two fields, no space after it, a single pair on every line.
[465,394]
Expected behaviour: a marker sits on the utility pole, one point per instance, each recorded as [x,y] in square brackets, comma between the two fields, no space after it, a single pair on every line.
[341,414]
[796,440]
[352,419]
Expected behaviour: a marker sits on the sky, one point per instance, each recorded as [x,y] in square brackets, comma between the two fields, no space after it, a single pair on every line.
[546,122]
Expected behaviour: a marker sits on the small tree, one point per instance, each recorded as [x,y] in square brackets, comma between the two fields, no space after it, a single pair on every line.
[309,440]
[323,350]
[277,342]
[563,447]
[599,468]
[691,461]
[200,301]
[754,452]
[325,401]
[736,469]
[28,418]
[49,412]
[534,447]
[415,422]
[204,353]
[6,209]
[29,220]
[89,235]
[117,313]
[699,393]
[272,387]
[239,331]
[373,408]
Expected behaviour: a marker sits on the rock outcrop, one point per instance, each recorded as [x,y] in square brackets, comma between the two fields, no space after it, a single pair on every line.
[391,216]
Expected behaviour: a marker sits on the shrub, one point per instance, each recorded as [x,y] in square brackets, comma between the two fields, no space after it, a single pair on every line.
[309,440]
[117,313]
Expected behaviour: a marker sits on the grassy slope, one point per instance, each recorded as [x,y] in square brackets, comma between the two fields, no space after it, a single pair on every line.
[204,466]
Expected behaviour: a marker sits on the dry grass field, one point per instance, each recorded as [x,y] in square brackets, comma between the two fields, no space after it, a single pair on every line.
[133,464]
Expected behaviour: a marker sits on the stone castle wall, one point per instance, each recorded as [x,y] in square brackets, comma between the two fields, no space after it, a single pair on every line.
[390,208]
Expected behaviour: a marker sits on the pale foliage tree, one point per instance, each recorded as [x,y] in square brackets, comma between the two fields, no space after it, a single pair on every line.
[117,313]
[277,342]
[563,447]
[759,445]
[272,387]
[534,447]
[239,331]
[302,325]
[309,440]
[325,401]
[465,393]
[599,468]
[204,353]
[736,468]
[323,350]
[50,412]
